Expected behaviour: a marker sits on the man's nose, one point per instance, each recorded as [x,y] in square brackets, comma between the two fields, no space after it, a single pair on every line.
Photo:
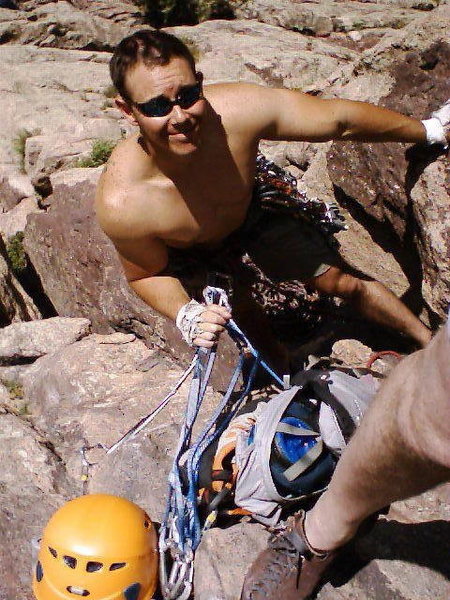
[178,115]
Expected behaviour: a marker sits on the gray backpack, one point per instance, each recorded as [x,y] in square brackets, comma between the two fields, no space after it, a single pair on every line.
[292,448]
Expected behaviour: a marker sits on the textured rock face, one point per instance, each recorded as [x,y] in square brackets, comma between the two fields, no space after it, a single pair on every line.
[322,18]
[32,487]
[262,53]
[15,303]
[14,187]
[66,90]
[27,341]
[67,236]
[61,25]
[406,190]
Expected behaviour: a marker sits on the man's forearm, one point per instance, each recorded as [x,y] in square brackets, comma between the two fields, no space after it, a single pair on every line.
[164,294]
[365,122]
[199,325]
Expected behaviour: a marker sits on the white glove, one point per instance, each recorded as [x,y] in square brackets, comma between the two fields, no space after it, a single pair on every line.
[437,125]
[187,320]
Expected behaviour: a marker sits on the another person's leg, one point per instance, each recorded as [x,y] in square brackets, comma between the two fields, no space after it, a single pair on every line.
[401,449]
[372,300]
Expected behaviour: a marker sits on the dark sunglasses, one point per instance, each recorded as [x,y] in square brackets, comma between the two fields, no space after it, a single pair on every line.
[161,106]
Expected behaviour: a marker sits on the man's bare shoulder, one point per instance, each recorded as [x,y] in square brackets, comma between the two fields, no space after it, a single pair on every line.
[233,97]
[245,107]
[271,113]
[125,191]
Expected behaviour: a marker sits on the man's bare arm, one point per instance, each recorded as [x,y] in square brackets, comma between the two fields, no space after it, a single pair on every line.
[142,260]
[142,264]
[280,114]
[303,117]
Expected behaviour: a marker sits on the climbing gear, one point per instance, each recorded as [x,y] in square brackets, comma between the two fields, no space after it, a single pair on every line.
[188,318]
[97,546]
[277,190]
[181,529]
[288,568]
[291,450]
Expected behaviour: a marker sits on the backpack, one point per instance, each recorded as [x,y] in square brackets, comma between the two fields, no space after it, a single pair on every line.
[286,449]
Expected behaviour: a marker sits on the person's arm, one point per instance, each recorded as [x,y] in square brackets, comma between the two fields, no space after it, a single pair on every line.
[280,114]
[143,260]
[303,117]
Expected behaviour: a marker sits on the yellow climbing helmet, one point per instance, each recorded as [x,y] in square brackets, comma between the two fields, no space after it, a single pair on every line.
[98,547]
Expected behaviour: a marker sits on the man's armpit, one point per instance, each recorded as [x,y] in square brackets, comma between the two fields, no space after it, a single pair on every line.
[132,271]
[142,258]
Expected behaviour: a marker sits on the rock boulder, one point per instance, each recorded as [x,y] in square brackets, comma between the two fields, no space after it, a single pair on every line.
[28,341]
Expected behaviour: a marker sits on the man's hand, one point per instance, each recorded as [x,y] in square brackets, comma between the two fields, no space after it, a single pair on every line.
[211,324]
[201,325]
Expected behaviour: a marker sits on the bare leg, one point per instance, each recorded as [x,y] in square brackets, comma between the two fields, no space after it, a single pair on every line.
[402,447]
[373,300]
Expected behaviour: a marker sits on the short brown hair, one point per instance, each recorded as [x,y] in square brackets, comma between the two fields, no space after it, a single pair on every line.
[152,47]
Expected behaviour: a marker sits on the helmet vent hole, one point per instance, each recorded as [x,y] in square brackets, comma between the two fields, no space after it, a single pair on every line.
[70,561]
[93,566]
[116,566]
[132,592]
[146,524]
[77,591]
[53,552]
[39,572]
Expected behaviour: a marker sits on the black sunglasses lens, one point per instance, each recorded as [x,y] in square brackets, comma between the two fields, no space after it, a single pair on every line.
[156,107]
[162,106]
[189,95]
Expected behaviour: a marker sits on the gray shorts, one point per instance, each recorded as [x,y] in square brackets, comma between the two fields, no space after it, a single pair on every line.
[289,249]
[283,248]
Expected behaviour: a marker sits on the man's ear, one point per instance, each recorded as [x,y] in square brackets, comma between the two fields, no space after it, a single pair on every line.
[199,76]
[125,109]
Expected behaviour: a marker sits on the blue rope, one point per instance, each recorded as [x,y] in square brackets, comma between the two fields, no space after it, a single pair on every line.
[182,504]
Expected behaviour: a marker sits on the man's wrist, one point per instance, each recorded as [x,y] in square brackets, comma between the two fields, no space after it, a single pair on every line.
[435,131]
[187,320]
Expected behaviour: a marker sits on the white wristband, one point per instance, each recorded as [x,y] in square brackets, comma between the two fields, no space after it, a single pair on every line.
[435,131]
[187,319]
[443,113]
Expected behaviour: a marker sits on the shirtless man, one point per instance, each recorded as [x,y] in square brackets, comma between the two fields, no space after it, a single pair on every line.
[185,181]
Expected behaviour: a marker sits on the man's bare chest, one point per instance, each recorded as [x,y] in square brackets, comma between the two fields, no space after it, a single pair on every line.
[206,213]
[208,205]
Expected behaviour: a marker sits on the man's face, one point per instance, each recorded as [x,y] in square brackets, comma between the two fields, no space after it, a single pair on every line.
[179,131]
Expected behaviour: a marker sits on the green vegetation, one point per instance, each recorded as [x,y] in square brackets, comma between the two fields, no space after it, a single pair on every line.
[15,390]
[16,253]
[101,151]
[16,394]
[162,13]
[18,145]
[24,410]
[110,91]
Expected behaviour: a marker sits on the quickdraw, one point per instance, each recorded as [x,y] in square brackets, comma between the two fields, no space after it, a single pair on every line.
[181,530]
